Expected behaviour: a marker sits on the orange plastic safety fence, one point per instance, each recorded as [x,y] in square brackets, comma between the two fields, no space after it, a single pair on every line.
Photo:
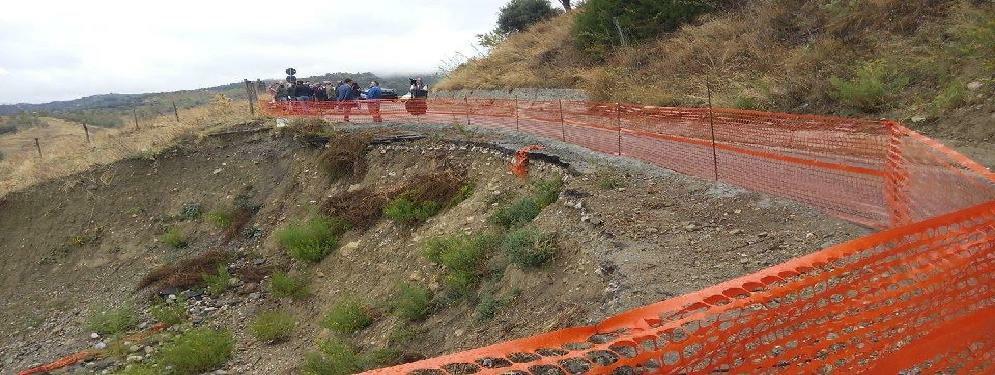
[916,296]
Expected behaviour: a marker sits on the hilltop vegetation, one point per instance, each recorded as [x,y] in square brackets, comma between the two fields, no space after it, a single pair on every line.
[930,60]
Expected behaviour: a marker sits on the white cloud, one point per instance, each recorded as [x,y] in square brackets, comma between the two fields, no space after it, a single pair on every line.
[62,49]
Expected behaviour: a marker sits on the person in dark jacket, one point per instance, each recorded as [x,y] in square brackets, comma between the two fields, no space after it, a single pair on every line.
[344,93]
[373,96]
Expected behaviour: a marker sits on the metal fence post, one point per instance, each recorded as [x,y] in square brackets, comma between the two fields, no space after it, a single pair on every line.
[517,121]
[466,106]
[618,122]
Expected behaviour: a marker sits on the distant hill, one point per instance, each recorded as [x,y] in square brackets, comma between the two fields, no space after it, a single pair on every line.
[108,110]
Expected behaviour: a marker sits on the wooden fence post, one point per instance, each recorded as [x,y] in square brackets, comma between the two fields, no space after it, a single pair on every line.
[248,96]
[711,127]
[87,132]
[134,110]
[176,113]
[563,124]
[38,147]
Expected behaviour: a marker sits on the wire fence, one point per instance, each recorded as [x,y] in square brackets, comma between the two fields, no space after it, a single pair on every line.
[920,294]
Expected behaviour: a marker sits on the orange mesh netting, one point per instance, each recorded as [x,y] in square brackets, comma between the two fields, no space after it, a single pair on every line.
[917,296]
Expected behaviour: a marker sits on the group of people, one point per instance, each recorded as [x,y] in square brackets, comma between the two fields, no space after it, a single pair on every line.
[347,92]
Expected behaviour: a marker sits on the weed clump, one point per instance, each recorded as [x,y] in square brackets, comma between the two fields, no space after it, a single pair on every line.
[169,313]
[463,257]
[406,211]
[870,87]
[528,247]
[311,240]
[219,282]
[348,316]
[220,219]
[112,321]
[526,209]
[175,238]
[197,351]
[273,326]
[333,357]
[283,285]
[412,302]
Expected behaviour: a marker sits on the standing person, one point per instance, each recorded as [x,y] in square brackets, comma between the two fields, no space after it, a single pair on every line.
[343,94]
[373,95]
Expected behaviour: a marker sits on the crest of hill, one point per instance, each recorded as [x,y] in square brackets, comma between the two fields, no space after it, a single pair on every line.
[928,60]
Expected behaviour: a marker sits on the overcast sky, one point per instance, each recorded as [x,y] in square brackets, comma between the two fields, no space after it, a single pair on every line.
[65,49]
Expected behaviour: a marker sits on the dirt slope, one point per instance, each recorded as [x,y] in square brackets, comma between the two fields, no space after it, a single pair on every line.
[628,234]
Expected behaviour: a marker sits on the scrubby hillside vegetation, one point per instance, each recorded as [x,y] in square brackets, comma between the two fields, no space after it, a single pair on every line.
[927,62]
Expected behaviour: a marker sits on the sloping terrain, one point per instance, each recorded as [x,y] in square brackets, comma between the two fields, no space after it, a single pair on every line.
[926,63]
[625,235]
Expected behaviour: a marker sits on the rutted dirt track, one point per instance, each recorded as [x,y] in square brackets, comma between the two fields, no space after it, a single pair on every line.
[629,234]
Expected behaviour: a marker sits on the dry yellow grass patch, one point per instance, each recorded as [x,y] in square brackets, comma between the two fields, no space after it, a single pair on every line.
[65,151]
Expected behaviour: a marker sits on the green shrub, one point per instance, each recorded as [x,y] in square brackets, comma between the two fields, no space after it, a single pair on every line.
[283,285]
[528,247]
[412,302]
[463,258]
[546,192]
[175,238]
[333,357]
[140,369]
[609,181]
[273,326]
[487,307]
[219,282]
[953,94]
[519,213]
[220,219]
[112,321]
[518,15]
[405,211]
[197,350]
[191,211]
[171,313]
[465,192]
[347,316]
[870,87]
[595,30]
[312,240]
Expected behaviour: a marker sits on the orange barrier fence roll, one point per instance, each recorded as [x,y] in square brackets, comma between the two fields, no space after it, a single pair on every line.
[917,296]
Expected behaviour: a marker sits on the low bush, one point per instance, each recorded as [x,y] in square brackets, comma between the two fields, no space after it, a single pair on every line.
[311,240]
[219,282]
[283,285]
[870,87]
[197,351]
[609,181]
[406,211]
[174,237]
[412,302]
[529,247]
[519,213]
[347,316]
[463,257]
[186,273]
[546,192]
[170,313]
[487,307]
[140,369]
[333,357]
[220,219]
[273,326]
[112,321]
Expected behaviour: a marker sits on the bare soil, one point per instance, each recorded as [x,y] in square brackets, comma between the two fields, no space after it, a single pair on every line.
[629,234]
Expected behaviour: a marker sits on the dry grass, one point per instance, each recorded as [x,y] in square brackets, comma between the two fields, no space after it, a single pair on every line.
[778,55]
[362,208]
[65,151]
